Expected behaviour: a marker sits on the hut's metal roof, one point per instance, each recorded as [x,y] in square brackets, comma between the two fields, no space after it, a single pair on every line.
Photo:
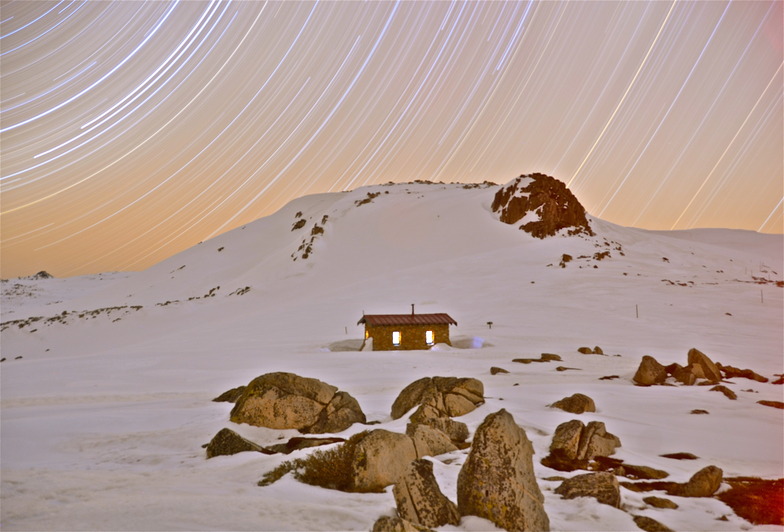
[407,319]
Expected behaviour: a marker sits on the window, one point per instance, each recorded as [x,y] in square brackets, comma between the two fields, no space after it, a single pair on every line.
[429,337]
[396,338]
[367,334]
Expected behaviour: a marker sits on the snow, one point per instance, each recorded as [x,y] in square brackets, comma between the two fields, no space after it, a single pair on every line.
[103,419]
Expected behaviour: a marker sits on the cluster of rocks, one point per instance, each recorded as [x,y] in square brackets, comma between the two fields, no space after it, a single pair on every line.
[699,369]
[543,203]
[496,483]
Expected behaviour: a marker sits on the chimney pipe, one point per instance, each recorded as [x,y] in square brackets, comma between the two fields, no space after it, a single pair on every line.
[412,309]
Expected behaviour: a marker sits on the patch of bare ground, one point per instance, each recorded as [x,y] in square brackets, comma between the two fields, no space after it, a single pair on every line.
[756,500]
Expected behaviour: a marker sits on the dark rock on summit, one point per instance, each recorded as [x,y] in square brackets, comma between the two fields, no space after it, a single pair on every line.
[546,204]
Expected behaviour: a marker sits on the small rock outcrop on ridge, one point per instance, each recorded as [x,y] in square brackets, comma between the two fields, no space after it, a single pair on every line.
[543,205]
[497,481]
[288,401]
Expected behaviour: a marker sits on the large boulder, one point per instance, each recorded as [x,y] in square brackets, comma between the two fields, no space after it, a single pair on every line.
[443,396]
[601,486]
[543,204]
[575,444]
[380,459]
[288,401]
[650,372]
[703,366]
[497,481]
[419,499]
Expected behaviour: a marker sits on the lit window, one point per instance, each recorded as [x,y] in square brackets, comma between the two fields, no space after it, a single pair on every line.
[367,334]
[396,338]
[429,337]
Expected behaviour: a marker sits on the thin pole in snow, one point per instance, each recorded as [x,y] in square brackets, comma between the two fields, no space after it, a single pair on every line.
[762,298]
[637,311]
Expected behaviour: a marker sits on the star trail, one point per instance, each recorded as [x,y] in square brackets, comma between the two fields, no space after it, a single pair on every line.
[130,131]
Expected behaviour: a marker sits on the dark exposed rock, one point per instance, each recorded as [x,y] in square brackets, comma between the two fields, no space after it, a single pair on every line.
[585,350]
[419,499]
[660,502]
[496,370]
[602,486]
[731,372]
[679,456]
[230,396]
[288,401]
[650,372]
[575,404]
[544,357]
[227,442]
[774,404]
[726,391]
[609,377]
[620,468]
[649,524]
[298,443]
[564,368]
[549,204]
[699,411]
[497,481]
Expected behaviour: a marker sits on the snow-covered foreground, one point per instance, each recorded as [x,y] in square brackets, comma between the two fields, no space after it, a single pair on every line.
[105,413]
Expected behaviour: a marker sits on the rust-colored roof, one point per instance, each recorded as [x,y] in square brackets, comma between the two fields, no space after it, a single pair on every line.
[406,319]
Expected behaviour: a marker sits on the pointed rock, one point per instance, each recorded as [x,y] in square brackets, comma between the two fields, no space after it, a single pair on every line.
[497,481]
[650,372]
[703,366]
[419,499]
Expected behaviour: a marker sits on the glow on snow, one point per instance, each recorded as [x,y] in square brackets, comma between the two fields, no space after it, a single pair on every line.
[133,130]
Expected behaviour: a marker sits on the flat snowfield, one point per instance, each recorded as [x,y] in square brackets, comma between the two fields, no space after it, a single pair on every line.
[108,380]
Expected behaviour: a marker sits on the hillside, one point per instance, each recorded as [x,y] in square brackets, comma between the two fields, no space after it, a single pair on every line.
[107,380]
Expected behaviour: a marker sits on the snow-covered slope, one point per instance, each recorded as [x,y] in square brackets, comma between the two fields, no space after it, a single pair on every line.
[107,380]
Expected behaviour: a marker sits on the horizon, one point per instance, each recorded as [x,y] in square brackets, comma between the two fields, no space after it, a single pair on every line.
[127,143]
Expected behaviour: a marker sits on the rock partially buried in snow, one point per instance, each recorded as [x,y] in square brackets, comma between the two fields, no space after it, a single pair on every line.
[445,396]
[227,442]
[574,444]
[650,372]
[704,483]
[497,481]
[602,486]
[419,499]
[387,523]
[575,404]
[288,401]
[543,204]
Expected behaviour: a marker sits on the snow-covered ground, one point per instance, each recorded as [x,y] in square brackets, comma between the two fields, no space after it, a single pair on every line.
[105,408]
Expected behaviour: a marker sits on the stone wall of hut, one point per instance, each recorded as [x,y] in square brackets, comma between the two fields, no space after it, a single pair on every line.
[412,336]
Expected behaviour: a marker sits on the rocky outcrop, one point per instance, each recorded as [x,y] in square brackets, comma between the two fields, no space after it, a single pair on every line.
[542,205]
[288,401]
[227,442]
[457,431]
[419,499]
[731,372]
[575,404]
[602,486]
[444,396]
[649,372]
[497,481]
[575,444]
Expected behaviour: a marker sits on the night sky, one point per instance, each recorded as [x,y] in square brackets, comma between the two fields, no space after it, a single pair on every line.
[132,130]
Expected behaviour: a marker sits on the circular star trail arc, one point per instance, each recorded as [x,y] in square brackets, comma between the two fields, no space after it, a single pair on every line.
[132,130]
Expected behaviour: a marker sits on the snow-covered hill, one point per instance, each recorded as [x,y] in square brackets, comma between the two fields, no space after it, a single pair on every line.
[107,380]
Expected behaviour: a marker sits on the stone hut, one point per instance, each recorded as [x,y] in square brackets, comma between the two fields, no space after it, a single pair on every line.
[393,332]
